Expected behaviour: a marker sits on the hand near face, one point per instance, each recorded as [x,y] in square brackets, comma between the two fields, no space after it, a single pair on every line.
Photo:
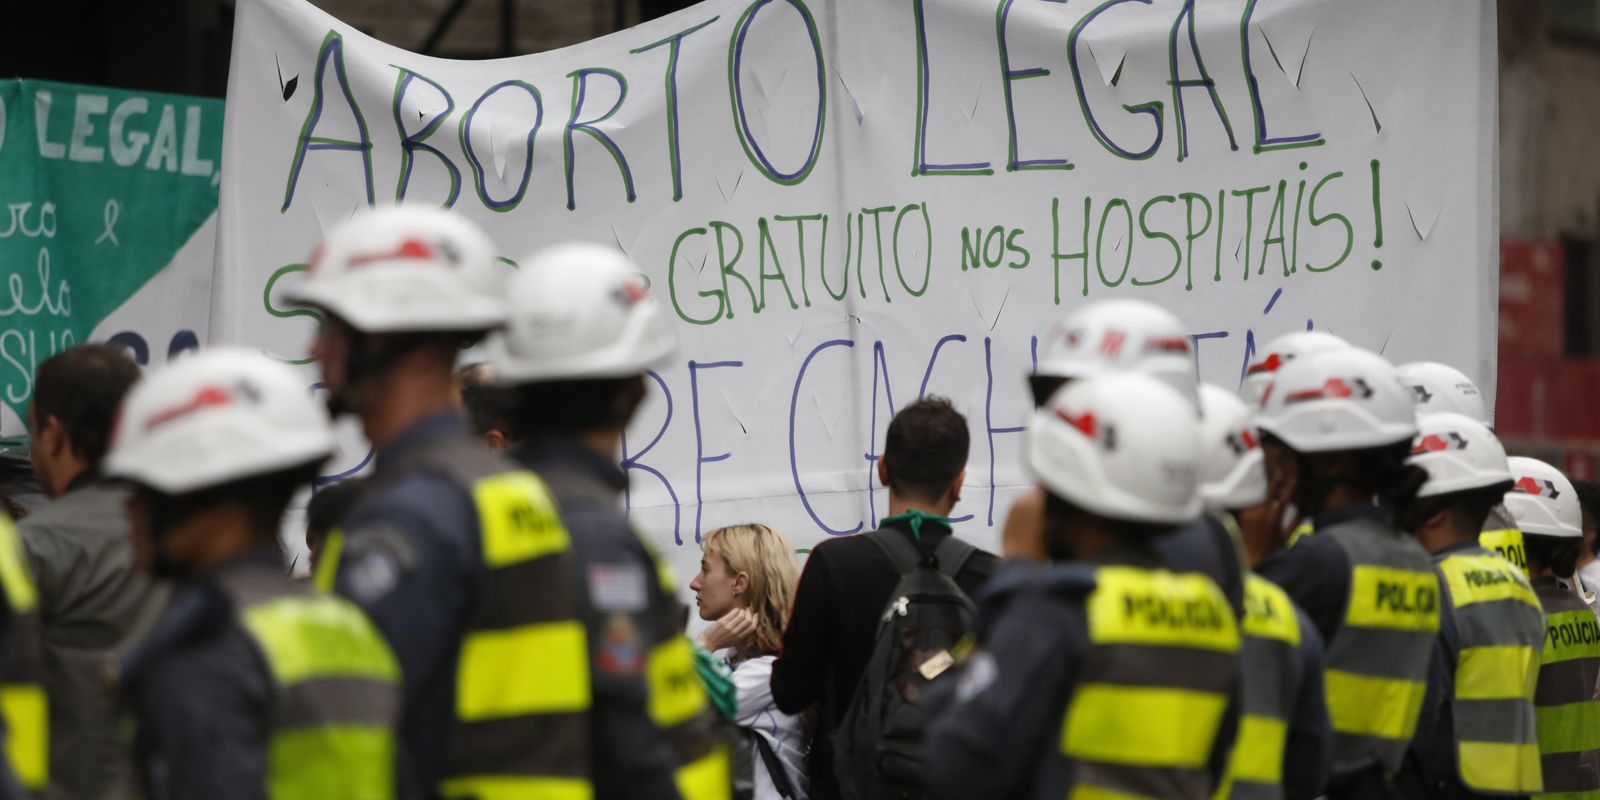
[734,628]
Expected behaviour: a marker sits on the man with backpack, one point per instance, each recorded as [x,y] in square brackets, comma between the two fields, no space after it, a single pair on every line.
[836,654]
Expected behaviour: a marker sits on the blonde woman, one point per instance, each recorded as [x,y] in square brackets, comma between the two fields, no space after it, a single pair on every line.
[745,588]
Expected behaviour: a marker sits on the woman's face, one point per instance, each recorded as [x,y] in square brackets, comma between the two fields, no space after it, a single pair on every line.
[716,592]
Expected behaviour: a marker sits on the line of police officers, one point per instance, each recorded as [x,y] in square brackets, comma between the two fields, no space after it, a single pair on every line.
[1394,648]
[489,627]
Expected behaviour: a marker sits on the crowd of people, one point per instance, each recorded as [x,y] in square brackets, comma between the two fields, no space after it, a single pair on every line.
[1335,585]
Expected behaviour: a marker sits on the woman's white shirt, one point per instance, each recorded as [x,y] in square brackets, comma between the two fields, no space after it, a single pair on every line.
[752,683]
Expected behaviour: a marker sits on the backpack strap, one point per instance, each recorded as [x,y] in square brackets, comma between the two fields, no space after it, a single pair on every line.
[901,552]
[775,769]
[952,555]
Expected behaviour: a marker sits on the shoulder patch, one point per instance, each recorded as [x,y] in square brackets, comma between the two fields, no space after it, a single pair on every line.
[618,587]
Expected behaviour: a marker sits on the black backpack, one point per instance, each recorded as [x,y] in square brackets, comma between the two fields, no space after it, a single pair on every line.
[878,744]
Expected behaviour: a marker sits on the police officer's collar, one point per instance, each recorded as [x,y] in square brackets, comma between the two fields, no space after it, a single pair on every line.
[1467,545]
[546,452]
[426,431]
[1350,513]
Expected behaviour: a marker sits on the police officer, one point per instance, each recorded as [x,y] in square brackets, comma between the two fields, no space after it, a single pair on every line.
[457,554]
[251,684]
[1104,674]
[581,334]
[1130,335]
[1545,507]
[1439,387]
[1336,430]
[24,705]
[1284,746]
[1485,743]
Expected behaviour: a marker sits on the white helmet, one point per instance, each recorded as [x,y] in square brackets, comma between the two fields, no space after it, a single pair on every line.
[1233,473]
[219,416]
[1122,445]
[405,269]
[1542,500]
[579,311]
[1121,335]
[1440,387]
[1280,351]
[1459,453]
[1349,399]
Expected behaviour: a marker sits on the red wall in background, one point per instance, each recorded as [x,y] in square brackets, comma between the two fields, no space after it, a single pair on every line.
[1545,404]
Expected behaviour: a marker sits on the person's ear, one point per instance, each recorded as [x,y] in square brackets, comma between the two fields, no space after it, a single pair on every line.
[741,584]
[883,470]
[54,436]
[1436,520]
[955,486]
[496,439]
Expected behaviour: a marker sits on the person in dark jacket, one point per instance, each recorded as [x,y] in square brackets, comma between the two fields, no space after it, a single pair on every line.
[456,553]
[93,600]
[251,685]
[1137,336]
[1107,673]
[847,582]
[581,334]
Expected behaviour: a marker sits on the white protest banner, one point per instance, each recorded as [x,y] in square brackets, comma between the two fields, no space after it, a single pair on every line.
[847,205]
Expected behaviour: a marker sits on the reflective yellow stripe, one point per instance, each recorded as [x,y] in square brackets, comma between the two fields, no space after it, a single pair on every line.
[1258,752]
[675,691]
[1301,531]
[1508,543]
[1268,612]
[345,761]
[1155,607]
[1485,579]
[1570,728]
[14,577]
[1083,792]
[534,669]
[506,787]
[1394,599]
[1385,708]
[1502,672]
[1501,767]
[328,562]
[1141,726]
[1570,635]
[319,637]
[27,715]
[706,778]
[518,519]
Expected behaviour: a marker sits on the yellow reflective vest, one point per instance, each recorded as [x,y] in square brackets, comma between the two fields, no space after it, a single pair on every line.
[1144,715]
[22,697]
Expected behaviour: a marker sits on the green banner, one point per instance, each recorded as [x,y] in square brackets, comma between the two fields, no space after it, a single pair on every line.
[101,189]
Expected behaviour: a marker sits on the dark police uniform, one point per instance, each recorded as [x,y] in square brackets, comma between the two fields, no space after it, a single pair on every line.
[459,557]
[1373,596]
[1568,710]
[24,709]
[1485,743]
[653,732]
[1117,677]
[252,686]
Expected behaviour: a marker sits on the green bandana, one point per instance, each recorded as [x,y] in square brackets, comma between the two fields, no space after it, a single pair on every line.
[916,518]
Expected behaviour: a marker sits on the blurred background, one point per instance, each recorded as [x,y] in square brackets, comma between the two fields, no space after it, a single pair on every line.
[1548,398]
